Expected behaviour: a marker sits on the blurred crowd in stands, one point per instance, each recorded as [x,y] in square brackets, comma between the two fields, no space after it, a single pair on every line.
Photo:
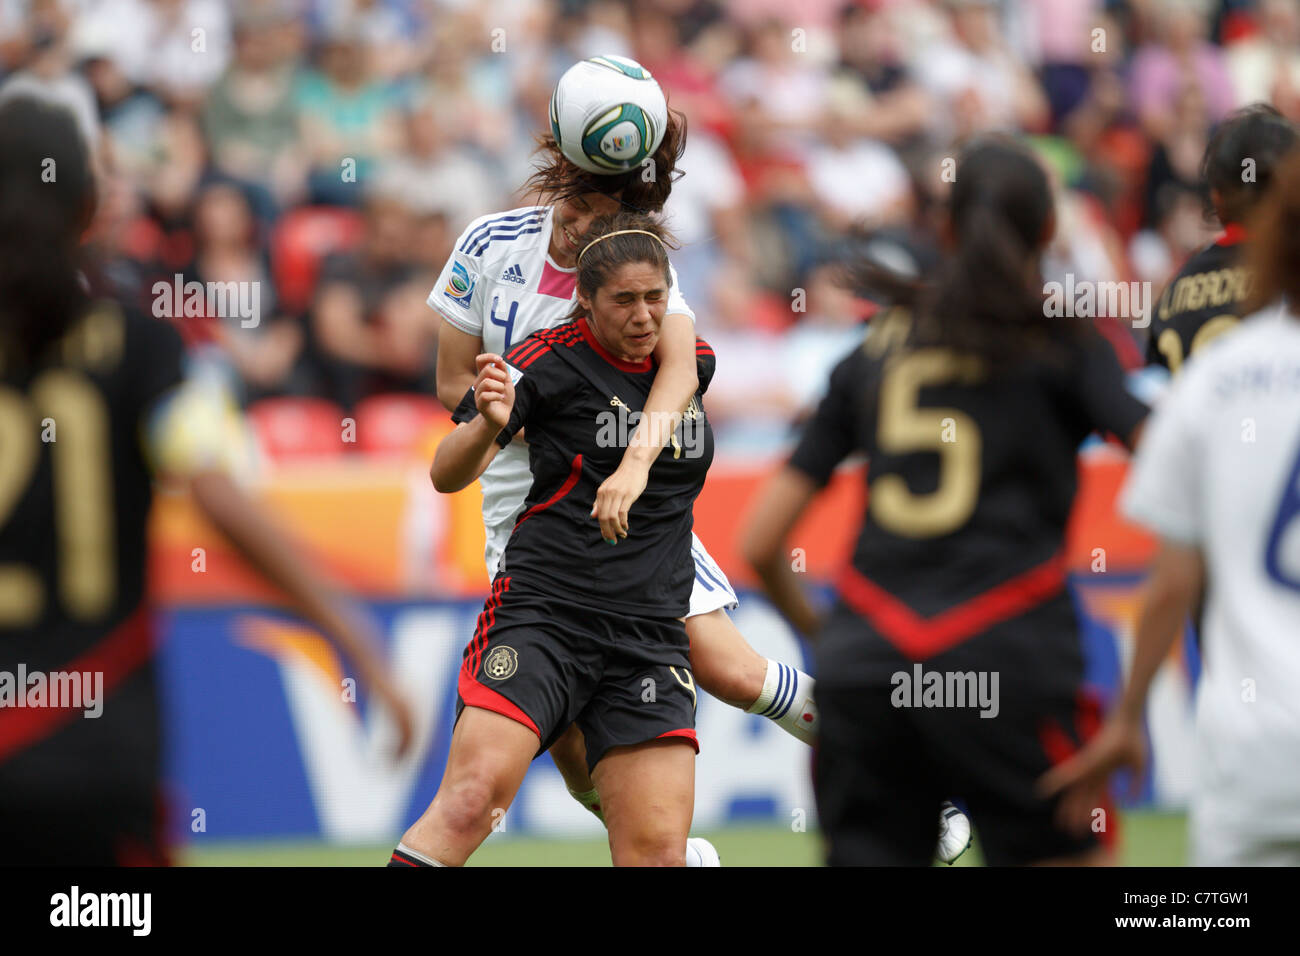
[332,150]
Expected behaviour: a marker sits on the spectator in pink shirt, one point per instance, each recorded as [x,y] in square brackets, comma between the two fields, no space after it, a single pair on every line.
[1180,57]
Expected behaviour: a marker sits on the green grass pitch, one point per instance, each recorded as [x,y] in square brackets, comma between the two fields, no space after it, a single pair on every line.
[1148,839]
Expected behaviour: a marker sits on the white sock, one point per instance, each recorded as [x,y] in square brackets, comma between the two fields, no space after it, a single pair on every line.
[419,856]
[787,700]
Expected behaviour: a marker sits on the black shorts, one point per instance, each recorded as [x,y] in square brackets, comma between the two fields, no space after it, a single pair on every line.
[882,768]
[548,663]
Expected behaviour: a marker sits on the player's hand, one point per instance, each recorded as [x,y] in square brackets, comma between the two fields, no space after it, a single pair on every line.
[400,710]
[494,393]
[615,497]
[1082,779]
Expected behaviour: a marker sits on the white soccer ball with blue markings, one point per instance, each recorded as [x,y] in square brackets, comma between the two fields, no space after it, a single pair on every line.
[608,115]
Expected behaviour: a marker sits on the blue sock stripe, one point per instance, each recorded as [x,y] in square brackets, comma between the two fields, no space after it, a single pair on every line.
[789,690]
[781,690]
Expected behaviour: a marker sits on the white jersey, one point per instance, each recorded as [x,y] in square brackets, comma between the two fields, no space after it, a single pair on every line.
[1219,468]
[501,285]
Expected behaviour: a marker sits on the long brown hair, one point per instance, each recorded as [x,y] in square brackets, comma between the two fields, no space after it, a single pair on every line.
[643,189]
[1273,255]
[982,299]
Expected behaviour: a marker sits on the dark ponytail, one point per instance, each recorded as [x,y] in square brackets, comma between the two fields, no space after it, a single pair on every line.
[643,189]
[987,296]
[47,198]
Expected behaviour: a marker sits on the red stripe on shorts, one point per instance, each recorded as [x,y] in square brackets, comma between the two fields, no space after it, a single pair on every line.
[686,734]
[475,694]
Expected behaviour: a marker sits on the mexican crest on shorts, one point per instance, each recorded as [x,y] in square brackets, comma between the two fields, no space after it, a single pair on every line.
[501,663]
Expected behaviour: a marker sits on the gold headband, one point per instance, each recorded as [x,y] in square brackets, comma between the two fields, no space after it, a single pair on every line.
[620,232]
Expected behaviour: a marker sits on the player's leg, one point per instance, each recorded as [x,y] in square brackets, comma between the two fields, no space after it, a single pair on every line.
[570,756]
[648,791]
[732,671]
[875,799]
[727,668]
[1032,711]
[489,756]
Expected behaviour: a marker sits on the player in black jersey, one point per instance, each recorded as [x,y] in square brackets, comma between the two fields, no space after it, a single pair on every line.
[580,628]
[951,662]
[1205,298]
[91,400]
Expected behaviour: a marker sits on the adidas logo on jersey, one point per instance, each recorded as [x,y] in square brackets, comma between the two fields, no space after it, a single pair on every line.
[513,274]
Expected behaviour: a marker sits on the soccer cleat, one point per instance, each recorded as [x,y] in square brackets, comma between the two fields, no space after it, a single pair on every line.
[700,852]
[954,833]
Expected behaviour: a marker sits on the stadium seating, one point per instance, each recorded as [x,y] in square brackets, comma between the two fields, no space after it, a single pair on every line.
[302,238]
[407,426]
[291,429]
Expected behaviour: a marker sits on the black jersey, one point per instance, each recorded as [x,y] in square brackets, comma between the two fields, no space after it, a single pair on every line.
[579,406]
[1200,303]
[971,476]
[75,492]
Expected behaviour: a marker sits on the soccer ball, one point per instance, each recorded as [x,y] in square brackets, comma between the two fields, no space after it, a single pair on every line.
[608,114]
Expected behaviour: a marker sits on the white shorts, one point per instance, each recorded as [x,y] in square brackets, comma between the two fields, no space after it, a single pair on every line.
[712,590]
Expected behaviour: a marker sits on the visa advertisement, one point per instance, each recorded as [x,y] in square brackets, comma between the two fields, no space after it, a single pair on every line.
[269,736]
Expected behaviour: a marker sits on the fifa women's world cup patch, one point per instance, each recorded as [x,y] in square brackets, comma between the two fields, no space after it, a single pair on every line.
[460,286]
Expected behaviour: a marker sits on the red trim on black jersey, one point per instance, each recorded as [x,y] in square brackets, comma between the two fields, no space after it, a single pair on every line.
[575,472]
[1059,748]
[475,694]
[118,655]
[532,348]
[486,618]
[684,733]
[702,347]
[642,366]
[1233,233]
[920,637]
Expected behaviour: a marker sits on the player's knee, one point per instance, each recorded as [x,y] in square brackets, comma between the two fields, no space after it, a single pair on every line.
[467,803]
[650,848]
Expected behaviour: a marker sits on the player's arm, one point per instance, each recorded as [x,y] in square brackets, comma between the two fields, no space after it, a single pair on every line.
[457,369]
[1174,588]
[464,454]
[779,506]
[1163,492]
[188,438]
[255,534]
[828,438]
[676,382]
[1101,390]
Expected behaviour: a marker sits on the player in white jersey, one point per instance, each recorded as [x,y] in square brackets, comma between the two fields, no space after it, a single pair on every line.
[1217,477]
[513,273]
